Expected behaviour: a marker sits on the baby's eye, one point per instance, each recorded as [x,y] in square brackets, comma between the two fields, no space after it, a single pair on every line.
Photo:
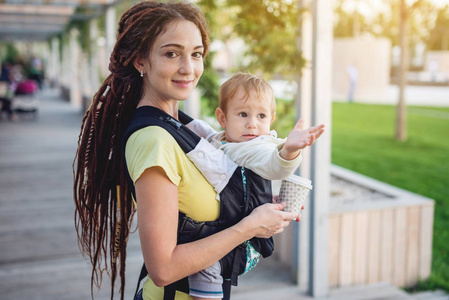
[171,54]
[242,114]
[261,116]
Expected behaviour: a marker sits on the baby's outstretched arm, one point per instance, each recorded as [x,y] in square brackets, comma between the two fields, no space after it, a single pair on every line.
[300,138]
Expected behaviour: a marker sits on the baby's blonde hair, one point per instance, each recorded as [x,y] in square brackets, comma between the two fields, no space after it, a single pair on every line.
[249,82]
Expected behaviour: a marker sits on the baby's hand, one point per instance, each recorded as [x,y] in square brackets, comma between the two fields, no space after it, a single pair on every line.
[299,139]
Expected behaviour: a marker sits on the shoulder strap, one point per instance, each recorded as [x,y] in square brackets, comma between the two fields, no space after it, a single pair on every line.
[145,116]
[151,116]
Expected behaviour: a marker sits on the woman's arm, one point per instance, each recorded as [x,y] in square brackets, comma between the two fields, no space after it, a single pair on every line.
[157,214]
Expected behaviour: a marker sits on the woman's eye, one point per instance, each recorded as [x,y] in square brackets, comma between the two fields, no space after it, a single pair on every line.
[262,116]
[171,54]
[197,55]
[242,114]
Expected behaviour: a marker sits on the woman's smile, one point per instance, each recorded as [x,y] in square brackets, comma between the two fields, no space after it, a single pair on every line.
[183,83]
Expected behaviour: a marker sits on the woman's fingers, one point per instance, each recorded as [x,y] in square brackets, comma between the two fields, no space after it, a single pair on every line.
[271,219]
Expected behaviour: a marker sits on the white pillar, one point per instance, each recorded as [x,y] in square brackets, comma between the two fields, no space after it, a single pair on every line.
[192,106]
[75,93]
[94,75]
[111,28]
[65,65]
[322,11]
[55,62]
[304,110]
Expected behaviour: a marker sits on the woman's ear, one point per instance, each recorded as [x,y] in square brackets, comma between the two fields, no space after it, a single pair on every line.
[221,117]
[138,64]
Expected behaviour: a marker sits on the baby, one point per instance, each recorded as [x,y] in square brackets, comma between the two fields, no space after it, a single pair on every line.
[246,111]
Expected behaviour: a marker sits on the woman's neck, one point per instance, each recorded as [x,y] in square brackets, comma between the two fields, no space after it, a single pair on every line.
[170,107]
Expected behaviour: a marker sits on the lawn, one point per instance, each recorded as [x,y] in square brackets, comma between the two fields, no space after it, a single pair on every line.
[363,141]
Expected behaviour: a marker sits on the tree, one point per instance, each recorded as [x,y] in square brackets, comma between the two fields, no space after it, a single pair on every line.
[269,29]
[438,39]
[401,129]
[209,81]
[349,23]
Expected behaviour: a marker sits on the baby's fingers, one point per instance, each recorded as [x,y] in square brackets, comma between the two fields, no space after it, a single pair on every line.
[300,124]
[316,128]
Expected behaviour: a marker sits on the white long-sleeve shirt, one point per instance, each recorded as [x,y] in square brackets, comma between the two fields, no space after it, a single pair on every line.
[260,155]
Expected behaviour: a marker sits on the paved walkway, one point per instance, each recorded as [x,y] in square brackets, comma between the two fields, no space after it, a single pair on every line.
[39,255]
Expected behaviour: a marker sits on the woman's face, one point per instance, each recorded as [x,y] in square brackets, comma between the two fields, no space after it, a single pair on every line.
[175,63]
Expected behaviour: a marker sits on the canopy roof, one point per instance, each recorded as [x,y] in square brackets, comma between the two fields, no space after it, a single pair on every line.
[35,20]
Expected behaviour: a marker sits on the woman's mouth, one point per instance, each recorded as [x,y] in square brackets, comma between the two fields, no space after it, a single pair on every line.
[183,83]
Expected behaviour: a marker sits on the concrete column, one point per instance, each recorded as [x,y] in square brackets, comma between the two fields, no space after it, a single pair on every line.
[94,72]
[75,92]
[192,106]
[322,12]
[65,65]
[111,28]
[55,63]
[304,110]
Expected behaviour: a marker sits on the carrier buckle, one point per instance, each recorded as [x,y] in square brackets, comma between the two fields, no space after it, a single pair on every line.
[172,122]
[188,226]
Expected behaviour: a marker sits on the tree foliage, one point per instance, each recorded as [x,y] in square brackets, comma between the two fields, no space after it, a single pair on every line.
[269,29]
[383,21]
[438,39]
[209,82]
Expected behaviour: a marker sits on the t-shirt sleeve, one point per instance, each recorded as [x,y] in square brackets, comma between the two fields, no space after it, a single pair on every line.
[150,147]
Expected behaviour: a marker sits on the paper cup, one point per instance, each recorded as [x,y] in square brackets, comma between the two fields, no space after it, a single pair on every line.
[294,191]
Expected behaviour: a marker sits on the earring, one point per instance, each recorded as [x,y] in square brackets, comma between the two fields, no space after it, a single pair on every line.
[141,73]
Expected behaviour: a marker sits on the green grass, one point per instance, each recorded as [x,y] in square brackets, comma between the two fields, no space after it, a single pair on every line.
[363,141]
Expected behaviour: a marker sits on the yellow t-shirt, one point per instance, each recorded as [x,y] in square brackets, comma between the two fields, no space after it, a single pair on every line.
[154,146]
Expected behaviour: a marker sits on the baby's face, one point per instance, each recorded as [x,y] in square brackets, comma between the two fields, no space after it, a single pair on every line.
[247,118]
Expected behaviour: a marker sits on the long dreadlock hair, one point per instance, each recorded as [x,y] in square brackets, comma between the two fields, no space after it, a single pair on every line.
[104,208]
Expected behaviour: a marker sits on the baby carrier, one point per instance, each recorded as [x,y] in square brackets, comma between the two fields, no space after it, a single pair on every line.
[237,200]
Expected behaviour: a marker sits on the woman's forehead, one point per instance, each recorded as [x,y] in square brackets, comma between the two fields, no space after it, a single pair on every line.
[180,32]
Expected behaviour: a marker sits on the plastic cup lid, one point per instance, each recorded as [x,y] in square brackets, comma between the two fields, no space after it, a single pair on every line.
[300,180]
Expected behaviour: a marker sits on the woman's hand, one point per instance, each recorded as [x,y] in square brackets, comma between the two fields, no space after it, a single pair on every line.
[276,200]
[269,219]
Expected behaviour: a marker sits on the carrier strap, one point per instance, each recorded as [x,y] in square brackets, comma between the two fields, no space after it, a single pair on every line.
[145,116]
[143,274]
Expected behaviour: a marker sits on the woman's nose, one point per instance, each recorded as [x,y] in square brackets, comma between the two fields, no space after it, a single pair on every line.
[186,66]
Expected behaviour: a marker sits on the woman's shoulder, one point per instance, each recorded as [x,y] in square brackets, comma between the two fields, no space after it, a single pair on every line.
[153,146]
[152,135]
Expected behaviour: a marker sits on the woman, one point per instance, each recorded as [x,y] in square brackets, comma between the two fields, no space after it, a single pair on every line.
[157,61]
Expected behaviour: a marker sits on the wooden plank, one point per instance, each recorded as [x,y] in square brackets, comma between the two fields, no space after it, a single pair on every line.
[360,247]
[373,247]
[426,237]
[413,226]
[386,246]
[346,249]
[399,248]
[334,243]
